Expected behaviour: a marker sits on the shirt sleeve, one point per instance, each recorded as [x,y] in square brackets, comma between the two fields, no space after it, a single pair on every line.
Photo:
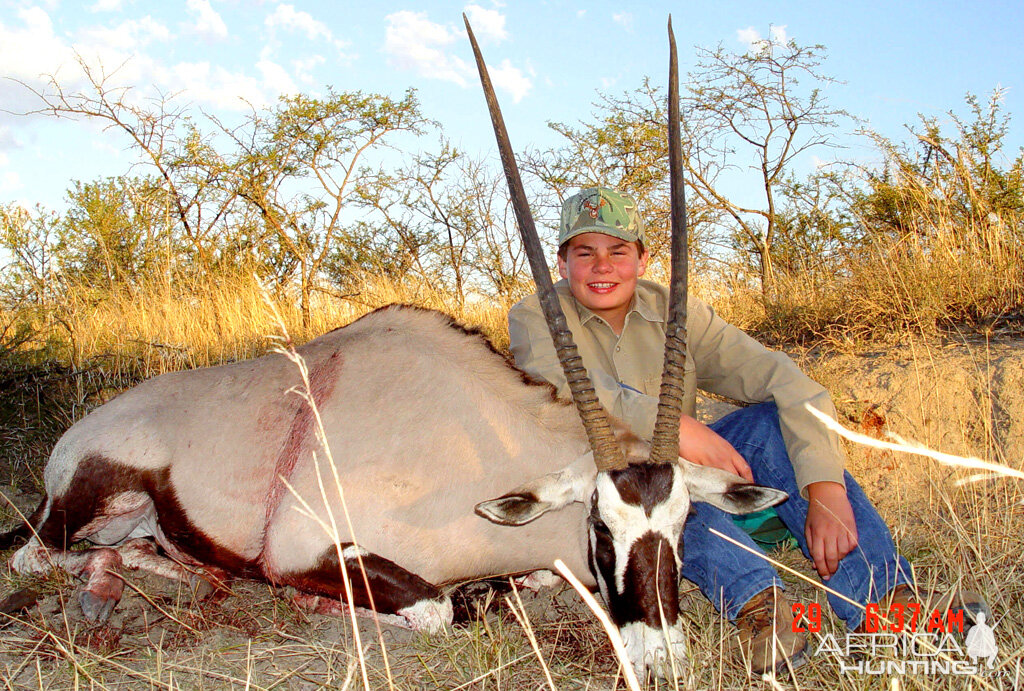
[534,353]
[731,363]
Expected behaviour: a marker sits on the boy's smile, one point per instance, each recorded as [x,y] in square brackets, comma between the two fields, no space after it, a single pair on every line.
[602,272]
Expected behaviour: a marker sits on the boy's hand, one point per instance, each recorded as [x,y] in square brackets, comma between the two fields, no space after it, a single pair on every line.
[830,530]
[699,444]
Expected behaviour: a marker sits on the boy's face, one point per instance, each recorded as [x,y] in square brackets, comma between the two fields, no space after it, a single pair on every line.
[602,271]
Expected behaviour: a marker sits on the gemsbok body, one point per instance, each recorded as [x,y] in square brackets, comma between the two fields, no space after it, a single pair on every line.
[411,432]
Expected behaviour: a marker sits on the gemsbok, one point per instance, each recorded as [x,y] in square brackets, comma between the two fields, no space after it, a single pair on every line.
[430,431]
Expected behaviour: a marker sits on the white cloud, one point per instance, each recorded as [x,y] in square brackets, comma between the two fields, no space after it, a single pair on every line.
[129,35]
[412,42]
[488,25]
[207,22]
[30,50]
[752,37]
[276,78]
[33,49]
[286,16]
[511,79]
[304,67]
[624,19]
[106,6]
[215,86]
[10,181]
[820,163]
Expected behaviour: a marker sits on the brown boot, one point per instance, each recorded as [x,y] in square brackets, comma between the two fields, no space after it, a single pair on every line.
[766,632]
[966,601]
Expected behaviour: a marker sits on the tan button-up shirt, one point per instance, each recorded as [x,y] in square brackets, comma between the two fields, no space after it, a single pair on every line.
[721,359]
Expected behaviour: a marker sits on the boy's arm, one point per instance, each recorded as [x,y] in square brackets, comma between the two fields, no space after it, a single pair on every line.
[830,528]
[732,364]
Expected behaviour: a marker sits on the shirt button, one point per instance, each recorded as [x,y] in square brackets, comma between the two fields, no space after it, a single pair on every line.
[618,348]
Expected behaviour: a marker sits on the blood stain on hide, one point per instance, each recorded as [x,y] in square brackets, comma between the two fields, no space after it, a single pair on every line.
[322,379]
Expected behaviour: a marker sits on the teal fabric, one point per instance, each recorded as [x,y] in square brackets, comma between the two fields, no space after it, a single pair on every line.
[766,529]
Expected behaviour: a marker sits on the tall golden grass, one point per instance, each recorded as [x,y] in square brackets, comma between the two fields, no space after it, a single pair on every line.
[161,326]
[943,269]
[936,276]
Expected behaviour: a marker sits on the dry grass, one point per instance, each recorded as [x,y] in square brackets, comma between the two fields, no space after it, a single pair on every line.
[937,276]
[167,326]
[957,536]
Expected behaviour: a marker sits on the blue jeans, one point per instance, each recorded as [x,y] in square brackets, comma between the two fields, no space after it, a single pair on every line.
[729,576]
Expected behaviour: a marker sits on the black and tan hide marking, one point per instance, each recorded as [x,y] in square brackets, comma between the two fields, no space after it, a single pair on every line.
[98,481]
[645,588]
[391,588]
[644,484]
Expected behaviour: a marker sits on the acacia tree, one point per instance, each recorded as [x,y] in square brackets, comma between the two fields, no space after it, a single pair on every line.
[745,116]
[297,166]
[623,147]
[113,232]
[30,239]
[963,181]
[748,112]
[190,170]
[449,214]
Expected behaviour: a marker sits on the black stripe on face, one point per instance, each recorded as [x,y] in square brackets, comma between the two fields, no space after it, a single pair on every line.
[651,584]
[601,552]
[644,484]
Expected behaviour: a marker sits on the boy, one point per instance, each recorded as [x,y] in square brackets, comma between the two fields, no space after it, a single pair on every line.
[618,322]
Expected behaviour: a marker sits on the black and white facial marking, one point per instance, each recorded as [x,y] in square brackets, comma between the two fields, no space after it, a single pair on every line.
[637,515]
[636,520]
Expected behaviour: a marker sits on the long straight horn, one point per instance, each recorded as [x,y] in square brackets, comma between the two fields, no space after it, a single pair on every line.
[607,453]
[665,442]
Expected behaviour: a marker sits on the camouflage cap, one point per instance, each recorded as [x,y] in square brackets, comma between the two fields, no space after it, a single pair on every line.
[600,210]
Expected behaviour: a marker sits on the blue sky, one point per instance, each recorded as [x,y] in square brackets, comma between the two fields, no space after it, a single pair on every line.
[548,58]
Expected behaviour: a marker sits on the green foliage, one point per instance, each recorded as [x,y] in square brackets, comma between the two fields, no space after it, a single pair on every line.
[31,240]
[747,118]
[296,165]
[113,232]
[963,179]
[324,196]
[445,219]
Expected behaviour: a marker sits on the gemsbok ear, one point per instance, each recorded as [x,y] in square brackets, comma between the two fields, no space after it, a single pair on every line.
[549,492]
[727,491]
